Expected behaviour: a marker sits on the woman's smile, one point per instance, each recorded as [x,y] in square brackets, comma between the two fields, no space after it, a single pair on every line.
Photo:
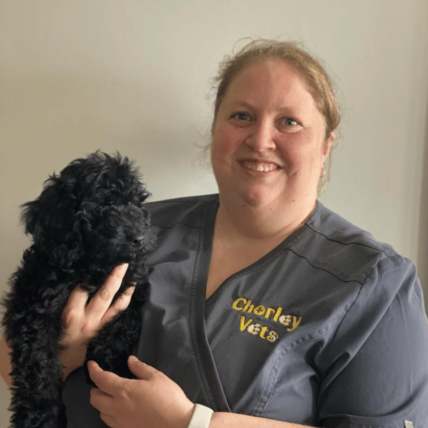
[263,167]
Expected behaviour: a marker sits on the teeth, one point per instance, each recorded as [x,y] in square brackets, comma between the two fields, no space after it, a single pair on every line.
[258,167]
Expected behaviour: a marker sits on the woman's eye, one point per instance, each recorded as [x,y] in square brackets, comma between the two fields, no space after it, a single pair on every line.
[241,116]
[290,122]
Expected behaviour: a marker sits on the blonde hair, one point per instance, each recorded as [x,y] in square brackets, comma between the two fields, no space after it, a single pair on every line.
[319,82]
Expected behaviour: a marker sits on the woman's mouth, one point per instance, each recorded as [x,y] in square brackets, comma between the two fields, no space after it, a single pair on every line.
[260,166]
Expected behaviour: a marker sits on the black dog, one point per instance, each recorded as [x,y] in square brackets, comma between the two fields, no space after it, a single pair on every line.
[88,219]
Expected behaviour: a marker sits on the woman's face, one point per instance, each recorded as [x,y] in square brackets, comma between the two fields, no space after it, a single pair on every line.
[268,144]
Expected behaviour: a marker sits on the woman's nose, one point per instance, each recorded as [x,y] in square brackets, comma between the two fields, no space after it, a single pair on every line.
[261,138]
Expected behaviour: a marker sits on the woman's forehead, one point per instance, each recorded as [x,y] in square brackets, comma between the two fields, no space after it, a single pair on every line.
[272,80]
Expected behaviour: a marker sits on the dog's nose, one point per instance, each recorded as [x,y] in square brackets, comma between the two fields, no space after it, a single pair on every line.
[139,240]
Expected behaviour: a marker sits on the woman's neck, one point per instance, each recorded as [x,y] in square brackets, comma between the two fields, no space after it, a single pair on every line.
[243,235]
[244,222]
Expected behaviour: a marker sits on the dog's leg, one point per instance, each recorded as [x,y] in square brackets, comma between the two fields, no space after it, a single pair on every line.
[116,341]
[33,328]
[37,384]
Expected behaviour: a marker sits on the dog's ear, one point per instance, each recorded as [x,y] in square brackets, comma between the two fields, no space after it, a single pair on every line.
[29,216]
[51,220]
[35,214]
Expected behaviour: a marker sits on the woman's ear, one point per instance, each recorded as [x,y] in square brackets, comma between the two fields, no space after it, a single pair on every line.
[328,145]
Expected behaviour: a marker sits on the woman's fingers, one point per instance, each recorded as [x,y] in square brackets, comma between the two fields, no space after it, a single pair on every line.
[78,297]
[100,303]
[120,304]
[150,400]
[75,306]
[83,319]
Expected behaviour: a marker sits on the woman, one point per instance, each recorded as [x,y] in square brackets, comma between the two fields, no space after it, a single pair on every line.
[265,306]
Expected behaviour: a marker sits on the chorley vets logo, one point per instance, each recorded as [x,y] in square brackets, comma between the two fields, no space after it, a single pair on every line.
[253,316]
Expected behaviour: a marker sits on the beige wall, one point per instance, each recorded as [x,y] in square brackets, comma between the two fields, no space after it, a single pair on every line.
[133,75]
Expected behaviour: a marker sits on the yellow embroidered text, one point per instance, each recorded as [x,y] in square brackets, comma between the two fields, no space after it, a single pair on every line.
[250,324]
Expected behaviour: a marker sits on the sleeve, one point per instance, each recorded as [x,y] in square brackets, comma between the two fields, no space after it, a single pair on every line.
[379,377]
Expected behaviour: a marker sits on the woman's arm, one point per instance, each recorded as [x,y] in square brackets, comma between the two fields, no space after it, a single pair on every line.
[229,420]
[378,360]
[154,400]
[5,367]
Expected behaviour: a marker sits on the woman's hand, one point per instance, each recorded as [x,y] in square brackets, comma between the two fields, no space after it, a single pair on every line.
[152,400]
[83,320]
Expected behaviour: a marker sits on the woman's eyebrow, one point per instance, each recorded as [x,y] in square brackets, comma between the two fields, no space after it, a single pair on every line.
[249,105]
[239,103]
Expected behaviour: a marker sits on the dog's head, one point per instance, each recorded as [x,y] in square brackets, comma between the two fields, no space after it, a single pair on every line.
[91,216]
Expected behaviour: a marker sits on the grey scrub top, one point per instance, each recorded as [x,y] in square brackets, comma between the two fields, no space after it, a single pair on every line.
[328,329]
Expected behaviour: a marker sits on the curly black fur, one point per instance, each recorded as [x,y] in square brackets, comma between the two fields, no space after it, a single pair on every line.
[88,219]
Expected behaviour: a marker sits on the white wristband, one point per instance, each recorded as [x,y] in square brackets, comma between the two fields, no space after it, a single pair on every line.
[201,417]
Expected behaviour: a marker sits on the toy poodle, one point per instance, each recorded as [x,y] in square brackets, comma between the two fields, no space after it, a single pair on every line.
[87,220]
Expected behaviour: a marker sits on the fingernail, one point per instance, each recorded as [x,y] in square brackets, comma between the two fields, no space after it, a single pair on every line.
[123,267]
[133,358]
[130,290]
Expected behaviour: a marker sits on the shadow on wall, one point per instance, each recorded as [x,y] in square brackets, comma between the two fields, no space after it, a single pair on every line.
[423,227]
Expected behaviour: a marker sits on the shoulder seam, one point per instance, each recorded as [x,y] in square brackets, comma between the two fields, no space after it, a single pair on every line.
[360,279]
[351,243]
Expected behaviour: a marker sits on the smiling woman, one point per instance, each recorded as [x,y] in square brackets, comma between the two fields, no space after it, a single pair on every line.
[265,306]
[262,164]
[268,144]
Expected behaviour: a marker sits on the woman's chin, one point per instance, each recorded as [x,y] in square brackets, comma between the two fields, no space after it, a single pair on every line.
[258,198]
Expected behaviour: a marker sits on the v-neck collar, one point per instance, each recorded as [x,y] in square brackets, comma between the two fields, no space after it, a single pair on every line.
[204,358]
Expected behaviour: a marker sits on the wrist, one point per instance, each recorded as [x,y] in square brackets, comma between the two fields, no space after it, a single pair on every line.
[69,364]
[201,417]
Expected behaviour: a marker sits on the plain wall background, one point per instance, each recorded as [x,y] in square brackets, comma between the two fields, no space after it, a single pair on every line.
[134,76]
